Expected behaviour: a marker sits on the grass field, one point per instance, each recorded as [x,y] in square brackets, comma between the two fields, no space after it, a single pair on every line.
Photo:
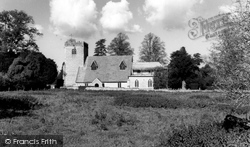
[110,118]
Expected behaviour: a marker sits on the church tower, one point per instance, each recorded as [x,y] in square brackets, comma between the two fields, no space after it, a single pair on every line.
[76,53]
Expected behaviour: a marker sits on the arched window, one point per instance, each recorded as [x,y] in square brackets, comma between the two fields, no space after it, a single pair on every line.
[150,83]
[136,83]
[73,51]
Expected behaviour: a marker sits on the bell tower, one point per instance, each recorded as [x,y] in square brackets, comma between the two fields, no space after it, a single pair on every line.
[76,53]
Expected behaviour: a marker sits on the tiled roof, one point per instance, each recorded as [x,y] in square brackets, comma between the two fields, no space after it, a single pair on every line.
[145,65]
[108,69]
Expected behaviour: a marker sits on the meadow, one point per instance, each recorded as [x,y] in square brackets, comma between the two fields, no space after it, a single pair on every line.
[88,118]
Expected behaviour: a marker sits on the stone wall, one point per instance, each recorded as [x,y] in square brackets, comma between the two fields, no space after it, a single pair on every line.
[73,61]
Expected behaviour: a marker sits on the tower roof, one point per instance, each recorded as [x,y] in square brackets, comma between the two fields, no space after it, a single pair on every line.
[73,42]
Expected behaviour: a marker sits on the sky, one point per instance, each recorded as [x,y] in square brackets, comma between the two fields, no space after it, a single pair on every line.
[92,20]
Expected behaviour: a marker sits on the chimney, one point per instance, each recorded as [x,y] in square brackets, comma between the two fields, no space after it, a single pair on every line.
[86,51]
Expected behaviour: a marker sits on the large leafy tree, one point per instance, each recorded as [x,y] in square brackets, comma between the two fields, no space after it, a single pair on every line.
[120,46]
[183,67]
[153,49]
[230,55]
[100,49]
[17,31]
[32,70]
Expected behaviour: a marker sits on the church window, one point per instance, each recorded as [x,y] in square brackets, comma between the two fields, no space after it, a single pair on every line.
[123,65]
[94,66]
[136,83]
[150,83]
[73,51]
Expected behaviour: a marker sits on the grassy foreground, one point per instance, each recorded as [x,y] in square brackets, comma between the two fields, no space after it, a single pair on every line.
[111,118]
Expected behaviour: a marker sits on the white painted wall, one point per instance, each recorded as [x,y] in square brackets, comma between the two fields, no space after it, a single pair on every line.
[143,82]
[115,85]
[124,85]
[80,84]
[111,85]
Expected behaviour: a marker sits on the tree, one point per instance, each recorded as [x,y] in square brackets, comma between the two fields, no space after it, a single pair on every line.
[59,78]
[6,59]
[119,46]
[207,77]
[160,78]
[4,82]
[153,49]
[32,70]
[100,49]
[50,71]
[193,81]
[183,67]
[17,31]
[230,56]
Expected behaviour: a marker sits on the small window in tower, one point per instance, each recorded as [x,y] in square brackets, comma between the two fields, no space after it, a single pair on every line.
[73,51]
[94,66]
[123,65]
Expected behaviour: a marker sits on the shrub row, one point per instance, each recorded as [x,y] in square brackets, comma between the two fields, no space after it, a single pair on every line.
[18,102]
[12,106]
[158,102]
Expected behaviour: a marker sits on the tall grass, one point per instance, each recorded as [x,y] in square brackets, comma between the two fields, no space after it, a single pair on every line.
[114,118]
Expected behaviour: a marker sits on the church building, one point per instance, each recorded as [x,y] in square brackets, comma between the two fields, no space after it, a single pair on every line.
[104,71]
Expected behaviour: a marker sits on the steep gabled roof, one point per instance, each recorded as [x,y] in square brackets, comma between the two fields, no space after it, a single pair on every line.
[108,69]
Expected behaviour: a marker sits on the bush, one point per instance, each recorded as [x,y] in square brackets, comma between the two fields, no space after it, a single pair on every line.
[205,135]
[107,117]
[6,59]
[32,70]
[4,82]
[11,106]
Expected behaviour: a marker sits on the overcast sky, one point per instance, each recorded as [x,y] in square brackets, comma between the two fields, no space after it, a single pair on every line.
[91,20]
